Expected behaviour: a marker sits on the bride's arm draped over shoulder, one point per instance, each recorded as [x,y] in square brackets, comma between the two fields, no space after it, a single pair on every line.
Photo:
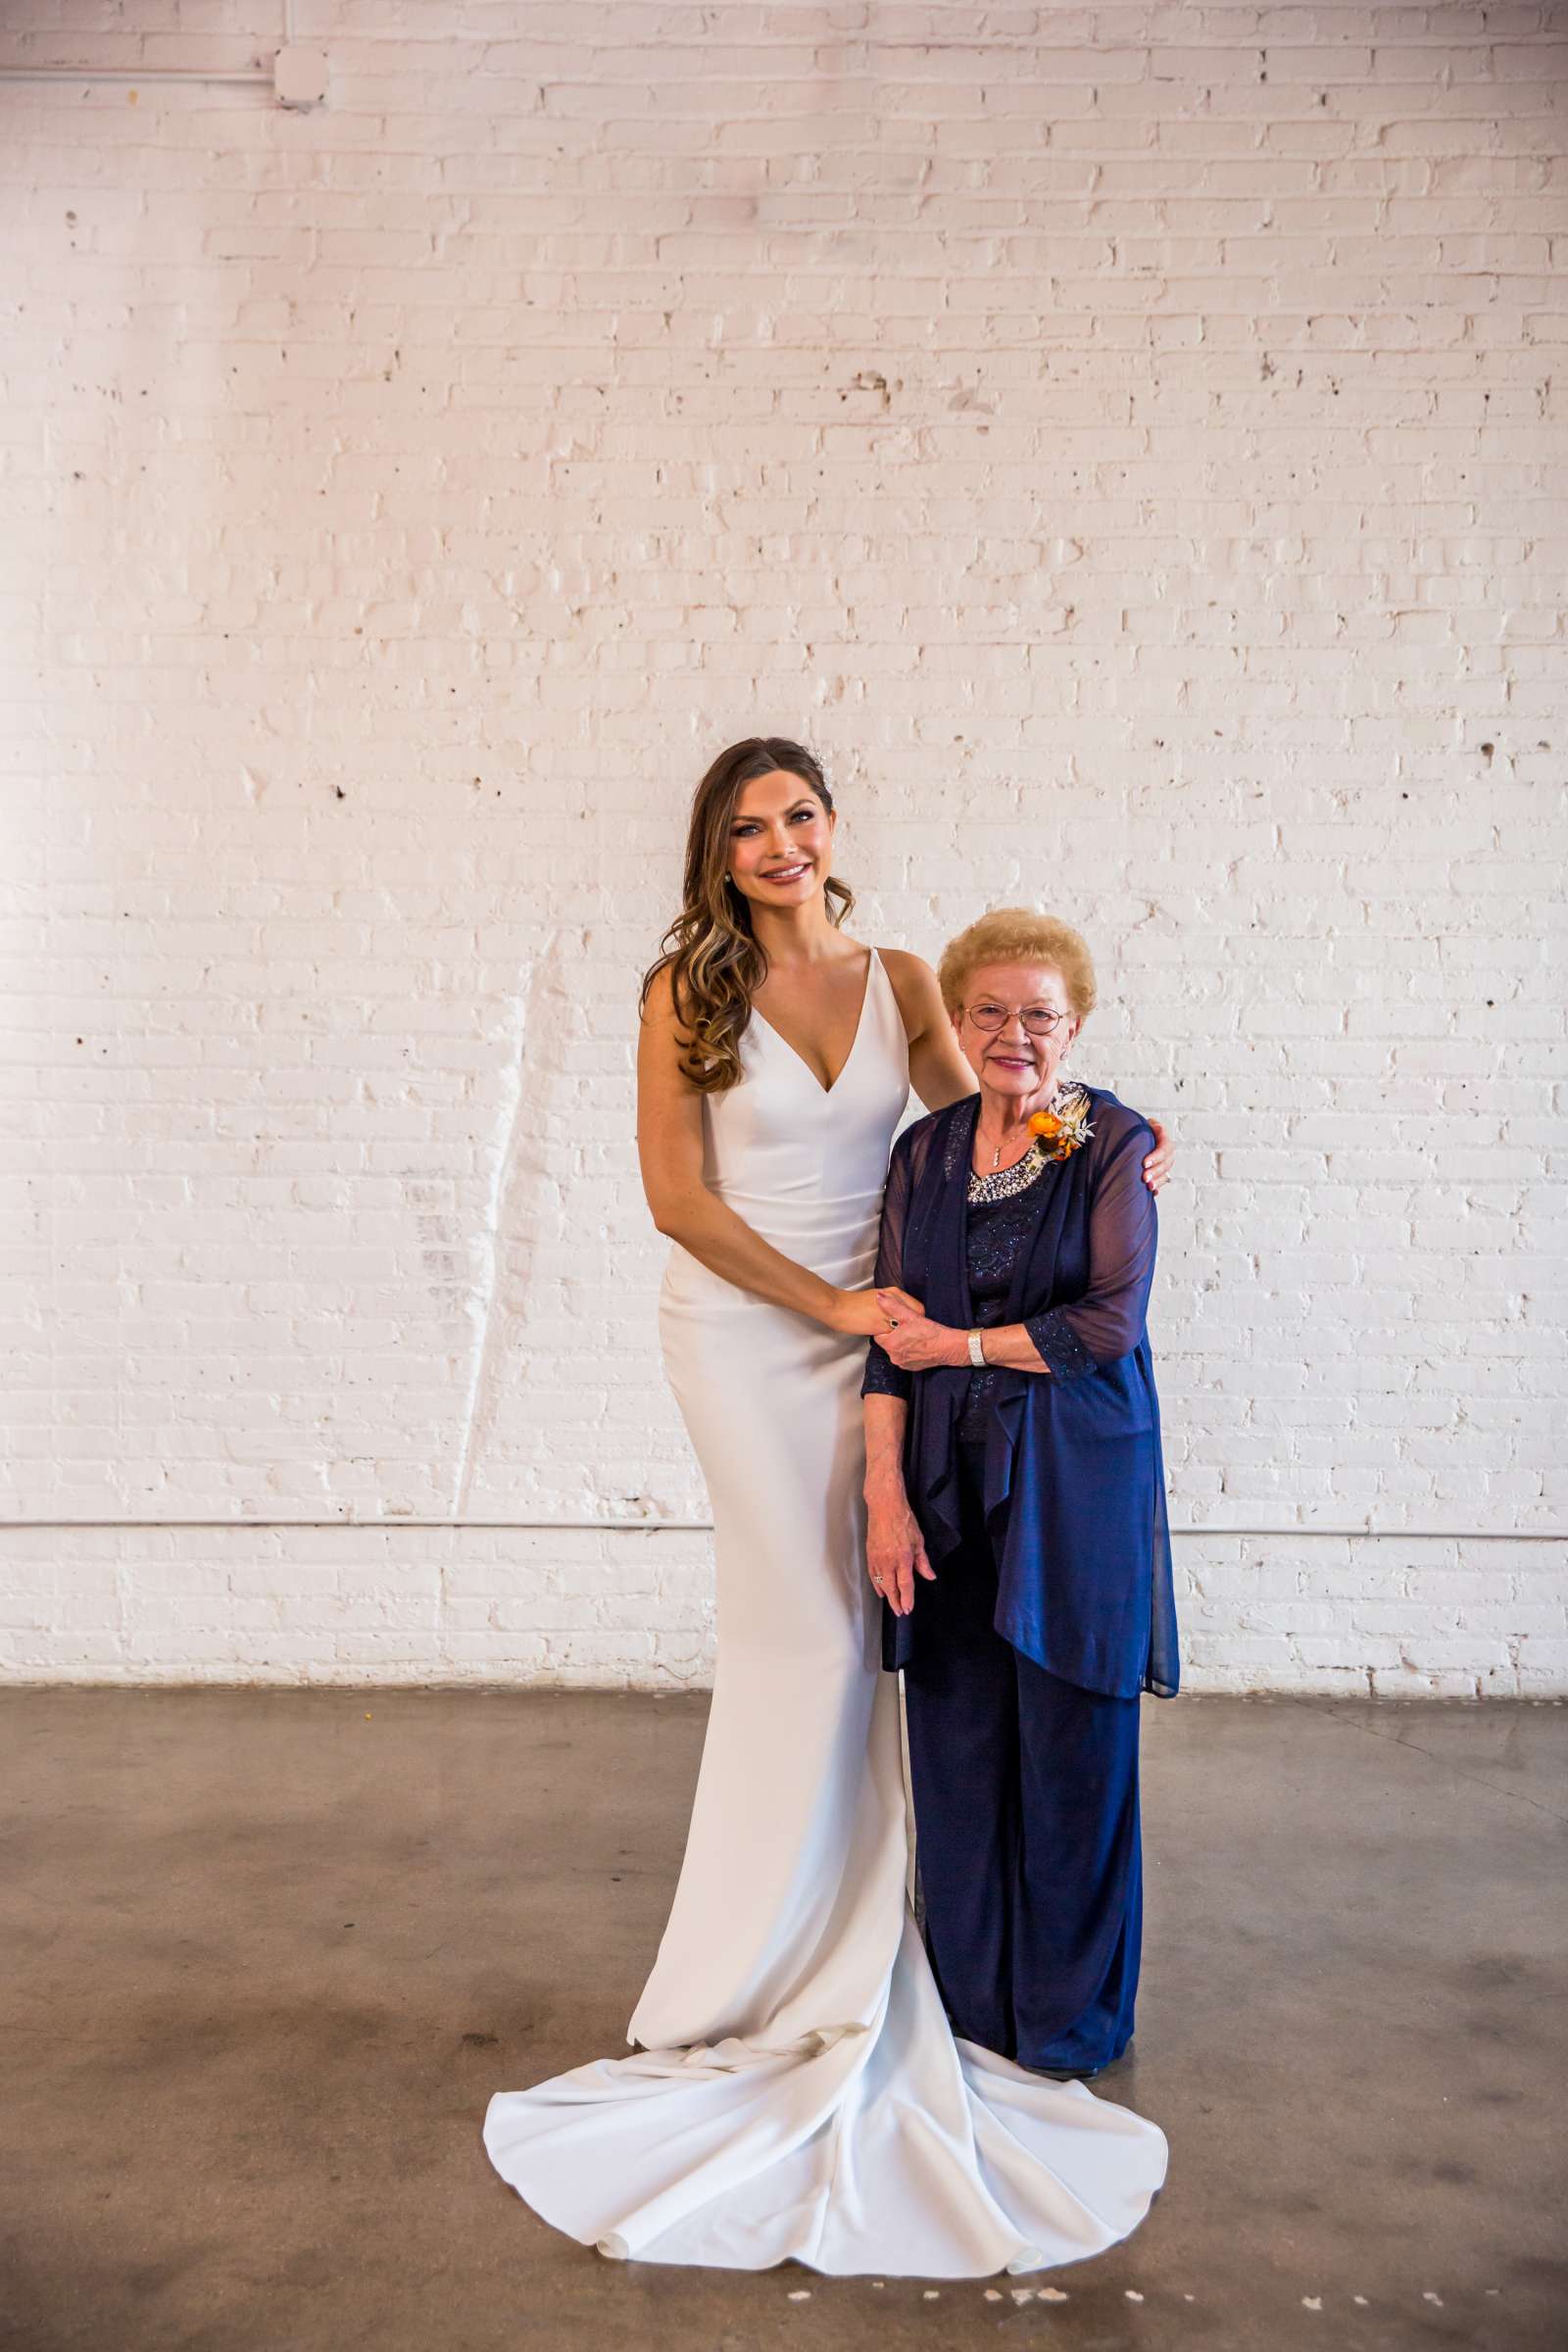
[669,1149]
[938,1070]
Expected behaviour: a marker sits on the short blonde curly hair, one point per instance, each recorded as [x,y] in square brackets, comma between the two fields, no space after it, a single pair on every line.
[1017,935]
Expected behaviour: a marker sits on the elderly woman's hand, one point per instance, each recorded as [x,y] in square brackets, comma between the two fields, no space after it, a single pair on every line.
[913,1342]
[895,1550]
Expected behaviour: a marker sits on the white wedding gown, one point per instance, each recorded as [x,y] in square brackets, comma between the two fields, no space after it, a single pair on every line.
[798,2093]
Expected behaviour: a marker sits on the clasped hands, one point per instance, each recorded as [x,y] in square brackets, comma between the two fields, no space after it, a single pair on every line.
[913,1341]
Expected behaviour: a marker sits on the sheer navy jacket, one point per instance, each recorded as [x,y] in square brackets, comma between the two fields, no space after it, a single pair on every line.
[1073,1473]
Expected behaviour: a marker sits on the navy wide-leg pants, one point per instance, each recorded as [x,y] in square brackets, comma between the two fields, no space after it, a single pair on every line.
[1027,1840]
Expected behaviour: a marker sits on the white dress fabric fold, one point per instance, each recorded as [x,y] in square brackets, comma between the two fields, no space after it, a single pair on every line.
[795,2091]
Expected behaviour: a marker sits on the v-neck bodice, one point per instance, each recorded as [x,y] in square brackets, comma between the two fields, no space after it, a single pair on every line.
[827,1085]
[802,1163]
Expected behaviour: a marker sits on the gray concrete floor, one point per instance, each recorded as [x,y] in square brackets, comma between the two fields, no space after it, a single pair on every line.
[270,1952]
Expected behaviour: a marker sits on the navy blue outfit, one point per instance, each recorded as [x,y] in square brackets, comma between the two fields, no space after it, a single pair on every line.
[1041,1500]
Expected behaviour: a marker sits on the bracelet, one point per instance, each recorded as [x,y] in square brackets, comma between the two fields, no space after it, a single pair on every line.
[977,1352]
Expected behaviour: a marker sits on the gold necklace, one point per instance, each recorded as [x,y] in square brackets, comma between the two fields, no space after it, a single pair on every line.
[1057,1093]
[995,1158]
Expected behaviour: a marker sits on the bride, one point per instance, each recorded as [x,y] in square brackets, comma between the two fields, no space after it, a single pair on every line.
[795,2089]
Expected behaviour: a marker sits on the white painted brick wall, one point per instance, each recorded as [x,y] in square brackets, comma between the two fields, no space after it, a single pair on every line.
[1125,439]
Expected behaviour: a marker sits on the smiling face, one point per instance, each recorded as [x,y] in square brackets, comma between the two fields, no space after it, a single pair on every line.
[1009,1062]
[780,840]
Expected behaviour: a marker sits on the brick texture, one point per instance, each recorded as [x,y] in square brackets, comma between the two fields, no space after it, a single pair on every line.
[1126,440]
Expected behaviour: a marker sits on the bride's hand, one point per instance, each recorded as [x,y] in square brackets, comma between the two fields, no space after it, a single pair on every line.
[895,1551]
[857,1316]
[1157,1166]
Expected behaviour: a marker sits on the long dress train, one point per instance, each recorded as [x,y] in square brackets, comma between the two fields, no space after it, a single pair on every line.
[797,2091]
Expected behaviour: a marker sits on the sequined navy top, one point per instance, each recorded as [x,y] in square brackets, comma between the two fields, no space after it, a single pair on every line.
[1002,1219]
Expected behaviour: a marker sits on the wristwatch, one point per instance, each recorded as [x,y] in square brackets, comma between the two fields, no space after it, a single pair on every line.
[977,1353]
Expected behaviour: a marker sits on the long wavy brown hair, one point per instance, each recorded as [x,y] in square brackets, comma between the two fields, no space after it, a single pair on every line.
[715,963]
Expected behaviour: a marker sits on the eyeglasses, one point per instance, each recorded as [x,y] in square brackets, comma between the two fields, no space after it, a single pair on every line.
[1039,1020]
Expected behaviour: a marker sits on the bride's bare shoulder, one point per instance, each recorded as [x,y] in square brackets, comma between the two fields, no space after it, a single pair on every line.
[914,984]
[661,1008]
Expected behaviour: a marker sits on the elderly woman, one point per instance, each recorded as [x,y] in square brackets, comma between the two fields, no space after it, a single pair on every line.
[1016,1508]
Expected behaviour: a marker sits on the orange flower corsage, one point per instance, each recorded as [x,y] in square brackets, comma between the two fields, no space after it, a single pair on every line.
[1065,1127]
